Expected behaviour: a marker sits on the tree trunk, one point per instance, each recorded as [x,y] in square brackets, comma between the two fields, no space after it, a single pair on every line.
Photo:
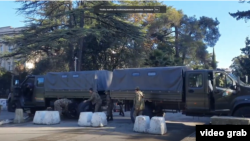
[71,48]
[176,42]
[81,41]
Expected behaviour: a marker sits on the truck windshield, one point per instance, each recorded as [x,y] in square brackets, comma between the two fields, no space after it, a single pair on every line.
[235,79]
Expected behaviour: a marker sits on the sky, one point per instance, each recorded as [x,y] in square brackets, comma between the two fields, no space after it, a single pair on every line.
[233,32]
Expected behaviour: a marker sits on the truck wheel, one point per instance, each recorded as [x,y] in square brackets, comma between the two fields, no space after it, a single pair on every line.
[147,112]
[242,112]
[83,107]
[33,111]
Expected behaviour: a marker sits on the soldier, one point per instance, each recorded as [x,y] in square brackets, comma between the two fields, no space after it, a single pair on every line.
[138,102]
[95,99]
[110,105]
[120,103]
[61,104]
[220,80]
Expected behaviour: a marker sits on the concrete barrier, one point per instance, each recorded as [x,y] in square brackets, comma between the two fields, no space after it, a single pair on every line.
[46,117]
[85,119]
[99,119]
[18,116]
[141,124]
[157,126]
[3,103]
[223,120]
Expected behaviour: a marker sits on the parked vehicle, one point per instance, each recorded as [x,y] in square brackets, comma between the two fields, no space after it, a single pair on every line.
[192,92]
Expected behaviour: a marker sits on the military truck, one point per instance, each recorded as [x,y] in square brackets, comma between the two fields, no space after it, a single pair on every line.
[37,92]
[176,89]
[194,92]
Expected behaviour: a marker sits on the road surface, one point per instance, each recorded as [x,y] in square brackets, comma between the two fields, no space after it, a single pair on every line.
[121,129]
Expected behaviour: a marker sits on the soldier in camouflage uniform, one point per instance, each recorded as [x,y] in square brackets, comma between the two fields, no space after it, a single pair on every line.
[138,102]
[220,80]
[61,104]
[95,99]
[110,105]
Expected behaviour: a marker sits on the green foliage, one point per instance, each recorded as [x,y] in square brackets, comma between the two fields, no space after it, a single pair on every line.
[58,31]
[241,63]
[239,15]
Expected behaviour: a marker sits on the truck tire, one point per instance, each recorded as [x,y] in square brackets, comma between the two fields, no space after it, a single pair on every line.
[33,110]
[243,111]
[147,112]
[83,107]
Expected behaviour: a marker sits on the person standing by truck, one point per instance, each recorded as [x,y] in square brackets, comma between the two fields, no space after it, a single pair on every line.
[95,99]
[110,105]
[138,102]
[120,103]
[61,104]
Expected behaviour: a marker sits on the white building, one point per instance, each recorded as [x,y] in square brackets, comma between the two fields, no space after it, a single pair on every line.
[9,64]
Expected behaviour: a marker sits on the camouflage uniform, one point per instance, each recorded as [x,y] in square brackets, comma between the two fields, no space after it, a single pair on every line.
[96,100]
[110,105]
[220,81]
[61,104]
[138,103]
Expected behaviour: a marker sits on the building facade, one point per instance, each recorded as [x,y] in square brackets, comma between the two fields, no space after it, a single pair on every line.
[10,63]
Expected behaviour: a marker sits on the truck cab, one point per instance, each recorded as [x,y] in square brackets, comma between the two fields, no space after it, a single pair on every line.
[214,92]
[29,94]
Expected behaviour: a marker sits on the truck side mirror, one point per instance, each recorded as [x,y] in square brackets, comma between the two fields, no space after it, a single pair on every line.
[16,82]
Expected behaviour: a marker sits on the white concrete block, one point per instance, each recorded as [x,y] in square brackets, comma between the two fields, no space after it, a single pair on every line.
[18,116]
[46,117]
[141,124]
[157,126]
[51,117]
[85,119]
[99,119]
[3,102]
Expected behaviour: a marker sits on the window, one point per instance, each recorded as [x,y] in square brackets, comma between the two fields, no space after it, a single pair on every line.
[9,66]
[220,80]
[136,74]
[195,80]
[229,82]
[40,82]
[10,48]
[151,74]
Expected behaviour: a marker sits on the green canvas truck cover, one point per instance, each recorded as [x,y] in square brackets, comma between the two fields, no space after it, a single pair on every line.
[82,80]
[149,79]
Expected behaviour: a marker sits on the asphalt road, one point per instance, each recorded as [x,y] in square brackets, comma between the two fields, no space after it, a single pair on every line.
[121,129]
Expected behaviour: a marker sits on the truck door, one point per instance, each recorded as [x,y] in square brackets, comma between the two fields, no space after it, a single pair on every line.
[223,93]
[39,91]
[196,95]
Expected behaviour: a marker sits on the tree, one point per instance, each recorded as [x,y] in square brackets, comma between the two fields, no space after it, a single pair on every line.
[63,29]
[241,14]
[241,63]
[214,63]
